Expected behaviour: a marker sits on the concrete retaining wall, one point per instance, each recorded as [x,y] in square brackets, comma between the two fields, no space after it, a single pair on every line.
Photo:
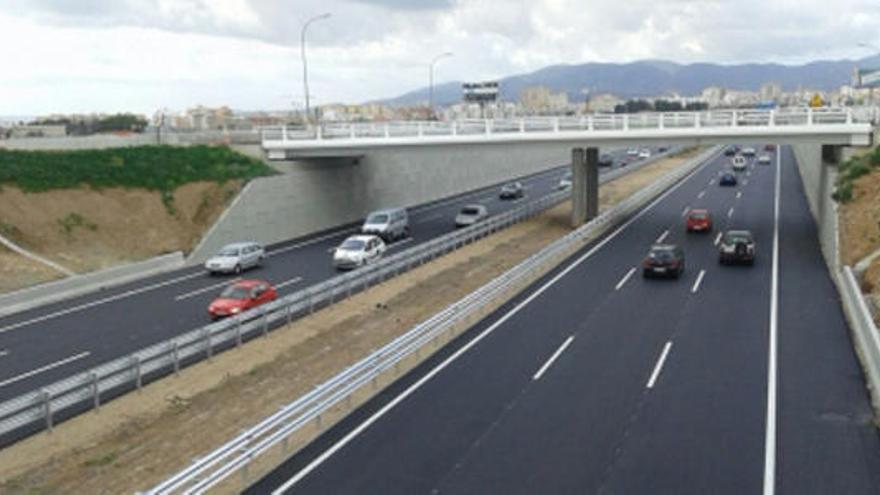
[315,195]
[78,285]
[818,178]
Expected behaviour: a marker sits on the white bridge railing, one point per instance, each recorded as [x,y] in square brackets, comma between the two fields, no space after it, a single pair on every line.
[432,130]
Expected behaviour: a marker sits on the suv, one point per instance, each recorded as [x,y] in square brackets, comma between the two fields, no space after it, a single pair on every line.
[512,190]
[698,221]
[390,224]
[234,258]
[737,246]
[666,260]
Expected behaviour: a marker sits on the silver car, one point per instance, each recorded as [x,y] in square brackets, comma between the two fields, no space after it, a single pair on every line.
[358,250]
[470,215]
[234,258]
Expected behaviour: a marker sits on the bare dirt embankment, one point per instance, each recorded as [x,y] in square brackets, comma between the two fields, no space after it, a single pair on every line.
[87,229]
[138,440]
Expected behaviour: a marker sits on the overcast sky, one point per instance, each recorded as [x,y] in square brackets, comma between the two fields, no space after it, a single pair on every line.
[139,55]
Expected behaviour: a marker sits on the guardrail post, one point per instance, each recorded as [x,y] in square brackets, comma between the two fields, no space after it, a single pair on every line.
[289,314]
[488,126]
[265,322]
[849,116]
[626,122]
[311,302]
[454,128]
[771,120]
[555,124]
[698,122]
[387,131]
[138,378]
[284,133]
[522,125]
[809,116]
[421,130]
[46,399]
[733,119]
[209,350]
[590,124]
[175,352]
[351,132]
[96,392]
[319,134]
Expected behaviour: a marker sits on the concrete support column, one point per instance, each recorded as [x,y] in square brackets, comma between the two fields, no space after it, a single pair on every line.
[584,185]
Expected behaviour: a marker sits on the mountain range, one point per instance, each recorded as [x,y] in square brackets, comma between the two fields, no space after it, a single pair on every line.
[653,78]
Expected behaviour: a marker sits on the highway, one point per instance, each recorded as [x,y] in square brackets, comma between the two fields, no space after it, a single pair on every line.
[49,343]
[733,379]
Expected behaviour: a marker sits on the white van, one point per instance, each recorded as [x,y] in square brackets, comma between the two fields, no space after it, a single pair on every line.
[390,224]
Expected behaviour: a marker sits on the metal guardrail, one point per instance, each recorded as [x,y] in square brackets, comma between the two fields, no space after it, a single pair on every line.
[867,336]
[238,453]
[86,389]
[587,123]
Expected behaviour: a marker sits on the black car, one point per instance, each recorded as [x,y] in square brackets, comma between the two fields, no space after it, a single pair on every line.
[605,160]
[513,190]
[665,260]
[731,150]
[727,179]
[737,246]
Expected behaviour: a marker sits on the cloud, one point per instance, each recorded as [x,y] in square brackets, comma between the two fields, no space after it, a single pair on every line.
[98,54]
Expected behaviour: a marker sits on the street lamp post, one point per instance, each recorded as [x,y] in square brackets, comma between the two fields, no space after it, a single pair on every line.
[431,79]
[302,47]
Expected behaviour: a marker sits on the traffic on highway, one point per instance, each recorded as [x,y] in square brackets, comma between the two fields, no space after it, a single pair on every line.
[80,333]
[596,381]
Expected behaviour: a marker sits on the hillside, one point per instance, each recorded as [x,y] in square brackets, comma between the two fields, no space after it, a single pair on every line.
[653,77]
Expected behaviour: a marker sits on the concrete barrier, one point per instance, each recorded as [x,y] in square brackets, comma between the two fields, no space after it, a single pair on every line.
[865,333]
[819,176]
[77,285]
[311,196]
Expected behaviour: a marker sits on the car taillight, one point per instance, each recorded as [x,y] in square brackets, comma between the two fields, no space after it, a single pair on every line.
[646,262]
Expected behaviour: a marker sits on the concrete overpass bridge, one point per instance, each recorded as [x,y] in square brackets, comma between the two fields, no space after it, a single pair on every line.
[828,126]
[832,128]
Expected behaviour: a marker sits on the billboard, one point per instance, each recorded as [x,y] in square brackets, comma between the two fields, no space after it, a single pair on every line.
[869,78]
[481,92]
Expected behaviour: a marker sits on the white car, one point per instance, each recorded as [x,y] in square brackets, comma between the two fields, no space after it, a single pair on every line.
[748,151]
[632,152]
[564,182]
[739,164]
[234,258]
[645,153]
[358,250]
[470,215]
[764,160]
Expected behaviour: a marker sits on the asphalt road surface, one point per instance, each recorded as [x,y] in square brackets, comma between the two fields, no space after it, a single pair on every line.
[52,342]
[732,379]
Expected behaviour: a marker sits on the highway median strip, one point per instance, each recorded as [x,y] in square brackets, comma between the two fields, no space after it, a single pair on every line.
[233,388]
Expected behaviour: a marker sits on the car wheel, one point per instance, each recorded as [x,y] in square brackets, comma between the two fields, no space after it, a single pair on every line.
[237,269]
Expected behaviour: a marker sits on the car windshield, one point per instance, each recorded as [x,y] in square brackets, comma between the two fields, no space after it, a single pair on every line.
[510,186]
[470,211]
[567,176]
[737,237]
[228,252]
[702,215]
[352,245]
[377,218]
[662,254]
[235,292]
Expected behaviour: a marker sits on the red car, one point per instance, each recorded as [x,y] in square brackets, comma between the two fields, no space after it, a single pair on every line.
[699,221]
[240,297]
[770,147]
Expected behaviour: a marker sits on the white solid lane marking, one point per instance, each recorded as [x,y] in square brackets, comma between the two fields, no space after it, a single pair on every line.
[699,280]
[730,212]
[770,434]
[486,199]
[476,340]
[540,372]
[659,366]
[702,193]
[739,194]
[662,237]
[41,369]
[209,288]
[288,282]
[98,302]
[717,239]
[309,242]
[4,352]
[625,278]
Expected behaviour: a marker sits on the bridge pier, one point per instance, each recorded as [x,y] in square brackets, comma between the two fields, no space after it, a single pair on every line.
[584,185]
